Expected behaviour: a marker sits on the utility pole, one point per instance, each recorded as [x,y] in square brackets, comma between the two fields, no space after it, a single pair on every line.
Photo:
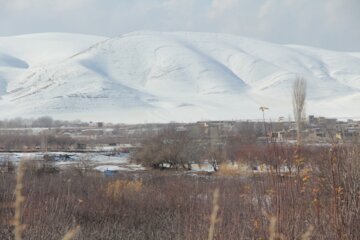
[263,109]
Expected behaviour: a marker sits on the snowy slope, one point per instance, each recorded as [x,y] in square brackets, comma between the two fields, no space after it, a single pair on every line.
[45,47]
[161,77]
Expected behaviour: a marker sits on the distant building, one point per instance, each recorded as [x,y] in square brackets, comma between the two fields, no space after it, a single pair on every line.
[323,121]
[278,136]
[81,146]
[312,120]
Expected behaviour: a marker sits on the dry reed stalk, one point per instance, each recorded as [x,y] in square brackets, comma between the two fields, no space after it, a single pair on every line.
[19,199]
[71,234]
[272,228]
[273,232]
[213,217]
[307,234]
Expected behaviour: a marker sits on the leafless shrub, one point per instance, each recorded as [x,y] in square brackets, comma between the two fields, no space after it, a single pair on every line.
[170,147]
[319,202]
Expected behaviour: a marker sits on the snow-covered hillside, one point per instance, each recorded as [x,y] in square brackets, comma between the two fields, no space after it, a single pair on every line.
[160,77]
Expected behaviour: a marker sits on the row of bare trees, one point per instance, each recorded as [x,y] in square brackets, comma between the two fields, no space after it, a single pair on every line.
[18,142]
[41,122]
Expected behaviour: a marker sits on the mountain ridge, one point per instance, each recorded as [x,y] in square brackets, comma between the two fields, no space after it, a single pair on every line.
[178,76]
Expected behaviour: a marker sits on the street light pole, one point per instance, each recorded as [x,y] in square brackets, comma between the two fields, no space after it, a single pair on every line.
[263,109]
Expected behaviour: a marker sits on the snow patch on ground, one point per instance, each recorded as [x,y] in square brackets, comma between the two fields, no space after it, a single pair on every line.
[115,168]
[97,161]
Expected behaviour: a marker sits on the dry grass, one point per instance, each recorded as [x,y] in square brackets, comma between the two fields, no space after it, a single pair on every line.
[119,187]
[237,169]
[321,203]
[275,235]
[18,207]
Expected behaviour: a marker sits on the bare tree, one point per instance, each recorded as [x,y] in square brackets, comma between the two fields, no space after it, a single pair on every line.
[215,155]
[298,101]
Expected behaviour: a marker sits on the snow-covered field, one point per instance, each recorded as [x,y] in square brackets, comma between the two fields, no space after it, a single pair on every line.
[96,161]
[160,77]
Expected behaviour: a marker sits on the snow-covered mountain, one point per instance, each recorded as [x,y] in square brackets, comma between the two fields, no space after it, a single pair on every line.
[161,77]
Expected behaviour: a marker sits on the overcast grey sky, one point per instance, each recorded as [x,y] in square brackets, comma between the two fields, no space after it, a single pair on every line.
[332,24]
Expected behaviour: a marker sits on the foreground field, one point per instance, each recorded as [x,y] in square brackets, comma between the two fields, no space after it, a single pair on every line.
[317,203]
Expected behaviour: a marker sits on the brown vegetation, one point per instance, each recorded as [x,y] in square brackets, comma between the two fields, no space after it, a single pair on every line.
[321,201]
[172,148]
